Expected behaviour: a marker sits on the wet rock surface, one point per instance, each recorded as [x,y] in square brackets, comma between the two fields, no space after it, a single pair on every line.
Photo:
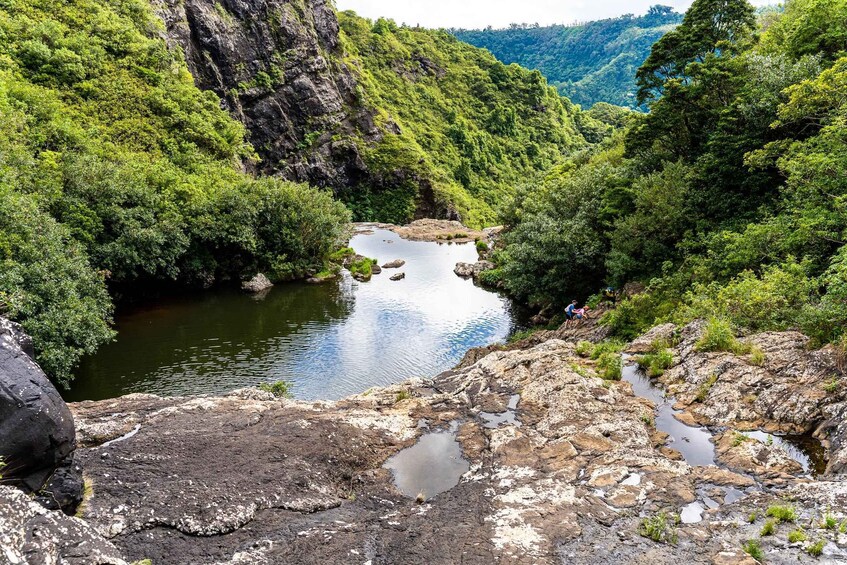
[36,428]
[468,270]
[569,476]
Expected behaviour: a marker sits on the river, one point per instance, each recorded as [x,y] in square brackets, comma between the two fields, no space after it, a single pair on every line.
[330,340]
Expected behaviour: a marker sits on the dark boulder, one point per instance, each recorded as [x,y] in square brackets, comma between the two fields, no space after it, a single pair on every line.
[36,428]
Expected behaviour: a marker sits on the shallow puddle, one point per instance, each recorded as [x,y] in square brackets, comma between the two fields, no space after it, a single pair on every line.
[805,450]
[433,465]
[695,444]
[493,420]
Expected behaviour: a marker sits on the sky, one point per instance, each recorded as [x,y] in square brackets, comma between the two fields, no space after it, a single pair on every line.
[500,13]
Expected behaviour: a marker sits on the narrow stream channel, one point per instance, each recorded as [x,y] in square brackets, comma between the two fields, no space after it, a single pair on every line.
[697,446]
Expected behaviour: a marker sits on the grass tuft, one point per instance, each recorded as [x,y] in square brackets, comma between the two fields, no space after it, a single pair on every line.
[660,528]
[816,549]
[796,536]
[280,389]
[782,512]
[754,550]
[769,528]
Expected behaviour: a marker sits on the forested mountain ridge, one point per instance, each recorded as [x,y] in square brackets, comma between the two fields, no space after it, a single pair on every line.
[590,62]
[400,122]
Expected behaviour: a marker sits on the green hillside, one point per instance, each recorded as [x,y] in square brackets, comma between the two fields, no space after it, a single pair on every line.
[116,172]
[459,123]
[726,201]
[588,63]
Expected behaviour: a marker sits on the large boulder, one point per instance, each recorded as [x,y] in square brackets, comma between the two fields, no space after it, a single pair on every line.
[36,428]
[259,283]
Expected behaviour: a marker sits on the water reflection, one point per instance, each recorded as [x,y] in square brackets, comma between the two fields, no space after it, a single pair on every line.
[331,340]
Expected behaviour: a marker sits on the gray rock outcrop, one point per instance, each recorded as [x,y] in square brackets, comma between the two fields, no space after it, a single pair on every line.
[250,478]
[36,428]
[468,270]
[276,64]
[33,535]
[258,283]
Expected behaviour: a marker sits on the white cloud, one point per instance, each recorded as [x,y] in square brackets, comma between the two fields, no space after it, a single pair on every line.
[500,13]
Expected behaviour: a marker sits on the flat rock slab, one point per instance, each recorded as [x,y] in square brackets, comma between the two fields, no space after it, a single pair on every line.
[248,478]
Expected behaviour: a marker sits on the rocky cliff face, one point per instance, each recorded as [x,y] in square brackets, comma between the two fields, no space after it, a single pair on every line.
[562,466]
[276,64]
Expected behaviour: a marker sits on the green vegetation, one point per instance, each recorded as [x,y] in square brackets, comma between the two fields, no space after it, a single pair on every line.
[607,354]
[832,386]
[769,528]
[703,389]
[752,517]
[782,512]
[660,528]
[116,172]
[656,363]
[725,201]
[797,535]
[829,522]
[363,268]
[754,550]
[816,549]
[280,389]
[403,395]
[589,63]
[470,128]
[584,348]
[757,356]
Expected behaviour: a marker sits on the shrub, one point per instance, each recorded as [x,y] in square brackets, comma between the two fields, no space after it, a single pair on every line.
[481,247]
[403,395]
[754,550]
[659,528]
[609,365]
[280,389]
[608,346]
[656,363]
[584,348]
[717,336]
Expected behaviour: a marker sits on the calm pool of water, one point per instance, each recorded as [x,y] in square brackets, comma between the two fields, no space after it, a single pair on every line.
[330,340]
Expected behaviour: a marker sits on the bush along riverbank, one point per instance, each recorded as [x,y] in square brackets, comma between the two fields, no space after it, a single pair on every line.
[538,477]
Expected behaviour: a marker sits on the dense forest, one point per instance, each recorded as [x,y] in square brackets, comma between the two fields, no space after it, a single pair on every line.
[118,174]
[726,200]
[115,170]
[588,63]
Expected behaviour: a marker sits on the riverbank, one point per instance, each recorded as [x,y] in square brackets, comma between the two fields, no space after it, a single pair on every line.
[576,470]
